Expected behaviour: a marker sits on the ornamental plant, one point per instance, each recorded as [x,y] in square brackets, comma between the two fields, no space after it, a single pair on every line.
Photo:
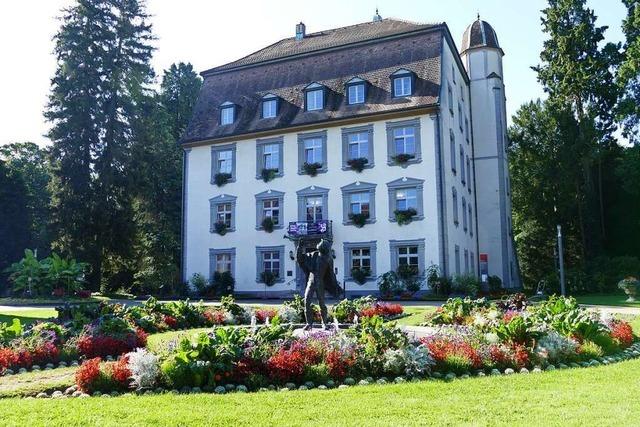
[358,219]
[630,285]
[268,174]
[358,164]
[268,277]
[222,283]
[311,169]
[621,332]
[220,227]
[267,224]
[404,216]
[402,158]
[263,313]
[360,275]
[144,368]
[221,178]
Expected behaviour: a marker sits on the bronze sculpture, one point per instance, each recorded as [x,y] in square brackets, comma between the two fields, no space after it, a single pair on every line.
[318,269]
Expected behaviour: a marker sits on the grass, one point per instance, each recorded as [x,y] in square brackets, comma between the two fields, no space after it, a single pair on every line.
[50,301]
[607,299]
[577,397]
[32,383]
[416,316]
[27,316]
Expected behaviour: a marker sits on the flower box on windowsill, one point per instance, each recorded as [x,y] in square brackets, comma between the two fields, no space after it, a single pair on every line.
[358,164]
[221,179]
[311,169]
[403,158]
[268,174]
[358,219]
[360,275]
[268,278]
[267,224]
[220,228]
[404,217]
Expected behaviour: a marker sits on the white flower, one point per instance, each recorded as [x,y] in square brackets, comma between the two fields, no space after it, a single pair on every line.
[144,368]
[288,314]
[492,338]
[412,360]
[493,314]
[555,347]
[229,319]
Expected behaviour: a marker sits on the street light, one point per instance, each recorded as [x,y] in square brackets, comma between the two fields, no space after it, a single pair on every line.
[561,261]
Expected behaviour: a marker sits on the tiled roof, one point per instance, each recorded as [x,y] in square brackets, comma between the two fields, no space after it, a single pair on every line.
[326,39]
[418,51]
[479,34]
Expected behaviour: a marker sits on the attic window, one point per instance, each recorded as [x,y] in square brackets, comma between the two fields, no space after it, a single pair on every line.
[314,97]
[227,113]
[402,83]
[356,91]
[269,106]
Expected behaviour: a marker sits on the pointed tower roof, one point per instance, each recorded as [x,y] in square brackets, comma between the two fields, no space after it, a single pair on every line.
[479,34]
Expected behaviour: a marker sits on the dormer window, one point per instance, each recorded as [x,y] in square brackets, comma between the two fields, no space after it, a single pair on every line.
[227,113]
[402,83]
[356,91]
[314,97]
[269,106]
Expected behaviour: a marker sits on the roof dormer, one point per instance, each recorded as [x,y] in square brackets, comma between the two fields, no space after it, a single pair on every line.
[402,82]
[314,97]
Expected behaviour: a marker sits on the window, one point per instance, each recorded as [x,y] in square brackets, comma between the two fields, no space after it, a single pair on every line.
[469,173]
[312,204]
[357,144]
[405,193]
[269,106]
[406,199]
[270,204]
[223,160]
[223,211]
[453,74]
[457,254]
[450,98]
[455,206]
[466,261]
[314,97]
[270,258]
[462,173]
[470,219]
[312,148]
[407,252]
[360,255]
[460,116]
[269,155]
[403,137]
[464,214]
[472,262]
[356,91]
[222,260]
[358,198]
[227,113]
[402,81]
[466,128]
[452,151]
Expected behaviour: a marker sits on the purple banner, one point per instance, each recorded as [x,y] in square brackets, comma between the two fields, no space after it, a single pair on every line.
[305,228]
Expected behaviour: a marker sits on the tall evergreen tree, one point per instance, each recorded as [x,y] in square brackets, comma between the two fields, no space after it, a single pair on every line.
[629,72]
[31,163]
[178,94]
[578,76]
[103,52]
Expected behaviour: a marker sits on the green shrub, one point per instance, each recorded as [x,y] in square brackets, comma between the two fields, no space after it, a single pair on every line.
[457,363]
[199,283]
[590,350]
[466,285]
[268,277]
[318,374]
[495,284]
[222,283]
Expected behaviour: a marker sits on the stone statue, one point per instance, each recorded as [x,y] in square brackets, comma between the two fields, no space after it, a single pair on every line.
[318,268]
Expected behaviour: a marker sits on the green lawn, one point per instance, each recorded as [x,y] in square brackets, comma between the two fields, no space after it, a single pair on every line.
[157,342]
[416,316]
[34,382]
[27,316]
[578,397]
[607,299]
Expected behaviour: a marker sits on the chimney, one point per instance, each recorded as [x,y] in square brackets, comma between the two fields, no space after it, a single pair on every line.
[301,30]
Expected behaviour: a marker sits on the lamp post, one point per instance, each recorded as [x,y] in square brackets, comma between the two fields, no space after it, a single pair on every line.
[561,261]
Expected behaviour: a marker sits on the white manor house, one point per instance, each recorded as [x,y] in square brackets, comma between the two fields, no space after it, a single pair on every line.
[380,136]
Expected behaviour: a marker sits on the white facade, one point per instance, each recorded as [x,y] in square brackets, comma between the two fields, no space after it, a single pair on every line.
[451,229]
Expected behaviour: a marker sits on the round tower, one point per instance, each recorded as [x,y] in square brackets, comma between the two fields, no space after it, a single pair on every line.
[482,55]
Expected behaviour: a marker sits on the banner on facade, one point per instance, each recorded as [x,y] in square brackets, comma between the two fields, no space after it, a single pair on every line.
[306,228]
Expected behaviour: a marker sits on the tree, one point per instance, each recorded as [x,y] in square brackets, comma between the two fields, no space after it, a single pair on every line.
[14,219]
[178,94]
[31,163]
[629,73]
[103,52]
[578,76]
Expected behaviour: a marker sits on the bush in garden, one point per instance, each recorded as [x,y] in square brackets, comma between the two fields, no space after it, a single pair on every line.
[360,275]
[111,336]
[199,283]
[222,283]
[455,355]
[269,278]
[317,374]
[265,313]
[622,332]
[466,285]
[214,317]
[94,376]
[553,347]
[143,368]
[495,284]
[589,350]
[10,331]
[411,361]
[8,358]
[382,309]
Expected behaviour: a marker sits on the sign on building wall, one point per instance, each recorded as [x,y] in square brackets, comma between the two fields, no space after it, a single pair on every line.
[484,267]
[306,228]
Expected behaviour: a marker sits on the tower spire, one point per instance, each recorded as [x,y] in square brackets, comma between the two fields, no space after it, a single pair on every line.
[377,17]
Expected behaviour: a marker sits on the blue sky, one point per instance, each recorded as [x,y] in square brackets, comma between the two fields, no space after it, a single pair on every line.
[209,33]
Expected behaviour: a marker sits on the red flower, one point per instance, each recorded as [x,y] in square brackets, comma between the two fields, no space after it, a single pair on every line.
[214,317]
[287,365]
[262,314]
[87,374]
[622,332]
[25,360]
[383,309]
[121,372]
[45,353]
[8,358]
[171,322]
[509,316]
[103,345]
[441,348]
[339,364]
